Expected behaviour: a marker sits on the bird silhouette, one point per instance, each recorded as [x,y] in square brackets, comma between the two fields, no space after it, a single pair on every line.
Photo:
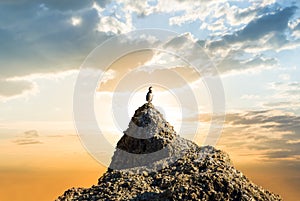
[149,95]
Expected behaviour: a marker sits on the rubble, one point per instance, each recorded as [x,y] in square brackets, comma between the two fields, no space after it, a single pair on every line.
[152,162]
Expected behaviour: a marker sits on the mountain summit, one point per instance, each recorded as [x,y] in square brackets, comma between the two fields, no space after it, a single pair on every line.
[149,143]
[152,162]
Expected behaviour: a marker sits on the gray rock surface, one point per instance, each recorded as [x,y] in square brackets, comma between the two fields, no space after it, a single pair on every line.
[152,162]
[150,143]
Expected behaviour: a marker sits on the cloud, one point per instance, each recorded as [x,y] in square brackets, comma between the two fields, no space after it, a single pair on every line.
[181,51]
[267,32]
[39,40]
[108,75]
[141,8]
[268,133]
[31,134]
[295,28]
[232,65]
[61,5]
[184,51]
[286,90]
[263,33]
[56,36]
[24,86]
[217,16]
[116,18]
[28,137]
[246,49]
[12,88]
[244,38]
[285,95]
[258,28]
[65,5]
[114,25]
[44,38]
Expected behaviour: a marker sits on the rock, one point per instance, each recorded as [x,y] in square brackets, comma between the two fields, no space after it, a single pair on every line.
[145,173]
[182,171]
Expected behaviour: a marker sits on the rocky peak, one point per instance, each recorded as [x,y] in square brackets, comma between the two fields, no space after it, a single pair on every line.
[151,162]
[147,132]
[146,115]
[148,142]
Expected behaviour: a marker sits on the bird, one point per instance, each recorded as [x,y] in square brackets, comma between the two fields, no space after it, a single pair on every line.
[149,95]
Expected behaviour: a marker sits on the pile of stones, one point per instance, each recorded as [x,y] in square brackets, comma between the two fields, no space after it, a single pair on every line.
[177,169]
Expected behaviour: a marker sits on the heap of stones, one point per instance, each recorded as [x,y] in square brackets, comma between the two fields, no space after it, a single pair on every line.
[152,162]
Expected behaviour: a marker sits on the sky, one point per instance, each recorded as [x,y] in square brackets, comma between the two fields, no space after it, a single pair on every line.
[252,47]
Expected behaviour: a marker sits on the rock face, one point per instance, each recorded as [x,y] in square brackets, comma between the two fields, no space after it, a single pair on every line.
[152,162]
[150,143]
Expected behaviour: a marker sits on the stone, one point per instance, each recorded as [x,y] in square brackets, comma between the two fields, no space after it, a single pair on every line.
[185,171]
[145,173]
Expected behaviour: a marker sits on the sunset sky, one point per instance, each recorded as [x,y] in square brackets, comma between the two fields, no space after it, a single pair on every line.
[254,46]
